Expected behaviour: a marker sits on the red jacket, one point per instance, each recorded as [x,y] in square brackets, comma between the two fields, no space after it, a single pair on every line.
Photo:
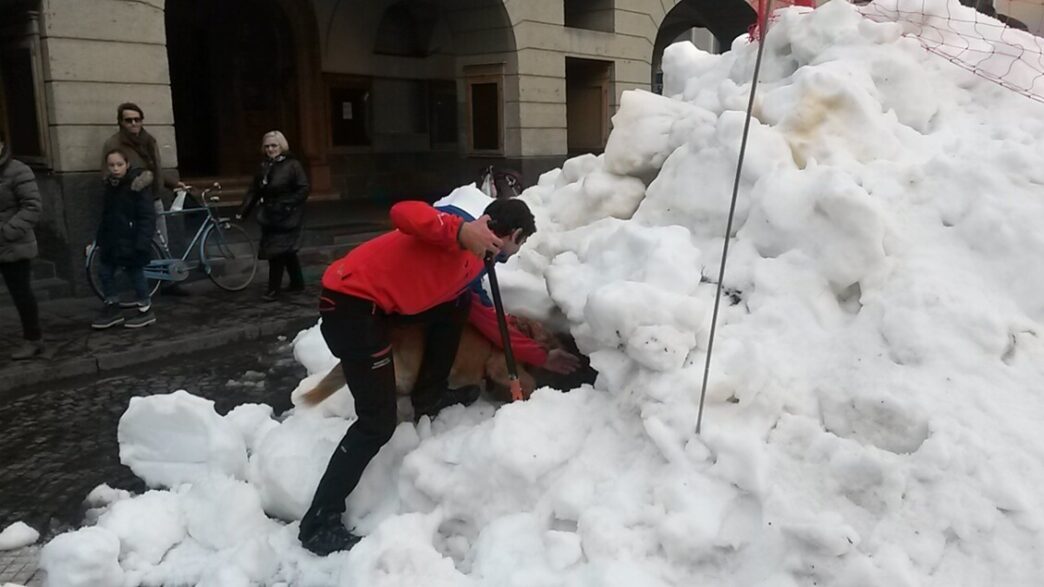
[409,270]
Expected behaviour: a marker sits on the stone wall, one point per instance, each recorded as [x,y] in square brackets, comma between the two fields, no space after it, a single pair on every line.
[98,53]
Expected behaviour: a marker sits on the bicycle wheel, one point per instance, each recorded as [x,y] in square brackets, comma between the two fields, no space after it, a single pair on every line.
[122,284]
[228,255]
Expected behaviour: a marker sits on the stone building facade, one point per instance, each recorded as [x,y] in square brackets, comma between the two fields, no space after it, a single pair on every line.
[383,99]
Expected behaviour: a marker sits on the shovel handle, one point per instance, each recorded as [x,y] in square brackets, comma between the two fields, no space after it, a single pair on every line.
[505,337]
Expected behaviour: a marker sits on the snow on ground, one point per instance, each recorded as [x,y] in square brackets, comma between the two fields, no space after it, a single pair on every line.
[17,535]
[873,414]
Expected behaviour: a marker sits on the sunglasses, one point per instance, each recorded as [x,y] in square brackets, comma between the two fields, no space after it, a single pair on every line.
[132,120]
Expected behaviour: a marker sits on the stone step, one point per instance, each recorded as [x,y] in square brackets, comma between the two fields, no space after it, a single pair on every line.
[234,189]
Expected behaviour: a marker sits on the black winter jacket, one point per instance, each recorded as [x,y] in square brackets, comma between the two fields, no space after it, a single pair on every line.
[128,220]
[282,187]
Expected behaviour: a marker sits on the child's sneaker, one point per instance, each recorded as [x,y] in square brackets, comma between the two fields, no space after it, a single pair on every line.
[108,317]
[143,317]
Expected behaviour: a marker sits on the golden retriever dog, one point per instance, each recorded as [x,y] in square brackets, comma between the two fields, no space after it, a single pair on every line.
[478,362]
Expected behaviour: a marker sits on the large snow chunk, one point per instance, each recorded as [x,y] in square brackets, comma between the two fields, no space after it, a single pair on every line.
[85,558]
[289,462]
[648,128]
[253,421]
[179,438]
[17,535]
[222,512]
[148,526]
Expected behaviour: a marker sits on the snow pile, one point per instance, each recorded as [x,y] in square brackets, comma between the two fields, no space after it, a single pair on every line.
[1009,56]
[875,396]
[17,535]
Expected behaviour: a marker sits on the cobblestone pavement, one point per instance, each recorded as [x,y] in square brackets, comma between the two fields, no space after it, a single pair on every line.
[59,441]
[208,319]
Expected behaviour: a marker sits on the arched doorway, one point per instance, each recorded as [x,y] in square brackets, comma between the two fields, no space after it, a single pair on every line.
[238,68]
[725,19]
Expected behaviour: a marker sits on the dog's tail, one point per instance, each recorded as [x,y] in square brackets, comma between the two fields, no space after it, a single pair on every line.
[333,381]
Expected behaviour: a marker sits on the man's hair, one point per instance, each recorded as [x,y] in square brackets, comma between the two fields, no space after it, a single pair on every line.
[128,106]
[506,216]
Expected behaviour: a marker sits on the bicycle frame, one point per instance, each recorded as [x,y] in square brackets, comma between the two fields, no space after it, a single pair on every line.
[161,268]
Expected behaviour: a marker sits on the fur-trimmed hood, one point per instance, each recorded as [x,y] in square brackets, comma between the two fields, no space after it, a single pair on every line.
[139,179]
[143,181]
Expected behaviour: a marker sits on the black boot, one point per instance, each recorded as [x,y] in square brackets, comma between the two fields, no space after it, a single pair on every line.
[428,404]
[330,536]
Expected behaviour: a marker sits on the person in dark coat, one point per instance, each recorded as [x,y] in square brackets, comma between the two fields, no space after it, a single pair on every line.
[281,186]
[20,207]
[142,152]
[124,240]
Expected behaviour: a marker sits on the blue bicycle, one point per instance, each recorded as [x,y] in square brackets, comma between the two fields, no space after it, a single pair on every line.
[225,252]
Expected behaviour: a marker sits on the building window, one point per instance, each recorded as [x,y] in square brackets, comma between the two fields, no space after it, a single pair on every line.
[22,111]
[349,107]
[594,15]
[485,108]
[588,83]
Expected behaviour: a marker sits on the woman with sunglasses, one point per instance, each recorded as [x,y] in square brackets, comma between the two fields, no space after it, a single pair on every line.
[281,186]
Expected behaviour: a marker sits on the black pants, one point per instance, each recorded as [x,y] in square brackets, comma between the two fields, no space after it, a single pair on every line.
[356,332]
[289,262]
[17,276]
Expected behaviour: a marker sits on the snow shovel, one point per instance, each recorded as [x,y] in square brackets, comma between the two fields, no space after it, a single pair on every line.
[509,356]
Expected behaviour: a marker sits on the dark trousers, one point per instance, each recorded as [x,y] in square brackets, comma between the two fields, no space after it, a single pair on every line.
[136,275]
[17,277]
[277,264]
[356,332]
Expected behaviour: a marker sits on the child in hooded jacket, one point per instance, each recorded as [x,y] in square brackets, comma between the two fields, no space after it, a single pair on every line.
[124,240]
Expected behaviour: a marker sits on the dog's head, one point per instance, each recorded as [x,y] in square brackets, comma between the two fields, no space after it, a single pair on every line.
[535,330]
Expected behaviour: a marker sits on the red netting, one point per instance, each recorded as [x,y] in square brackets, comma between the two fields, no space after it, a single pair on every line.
[998,40]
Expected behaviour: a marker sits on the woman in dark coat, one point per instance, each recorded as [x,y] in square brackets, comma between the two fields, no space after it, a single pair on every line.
[19,212]
[124,240]
[282,188]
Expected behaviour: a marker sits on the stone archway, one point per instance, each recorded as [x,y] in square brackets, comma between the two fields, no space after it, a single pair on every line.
[239,68]
[725,19]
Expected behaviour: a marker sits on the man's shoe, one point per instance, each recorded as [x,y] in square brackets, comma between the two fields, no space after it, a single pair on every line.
[330,539]
[462,395]
[143,317]
[108,317]
[270,296]
[28,350]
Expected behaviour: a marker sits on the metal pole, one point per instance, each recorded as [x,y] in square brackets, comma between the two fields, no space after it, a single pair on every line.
[762,33]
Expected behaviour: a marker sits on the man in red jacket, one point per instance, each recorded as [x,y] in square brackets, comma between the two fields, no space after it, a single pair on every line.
[419,272]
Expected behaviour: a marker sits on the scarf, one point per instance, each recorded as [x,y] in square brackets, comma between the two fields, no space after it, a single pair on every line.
[144,145]
[266,168]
